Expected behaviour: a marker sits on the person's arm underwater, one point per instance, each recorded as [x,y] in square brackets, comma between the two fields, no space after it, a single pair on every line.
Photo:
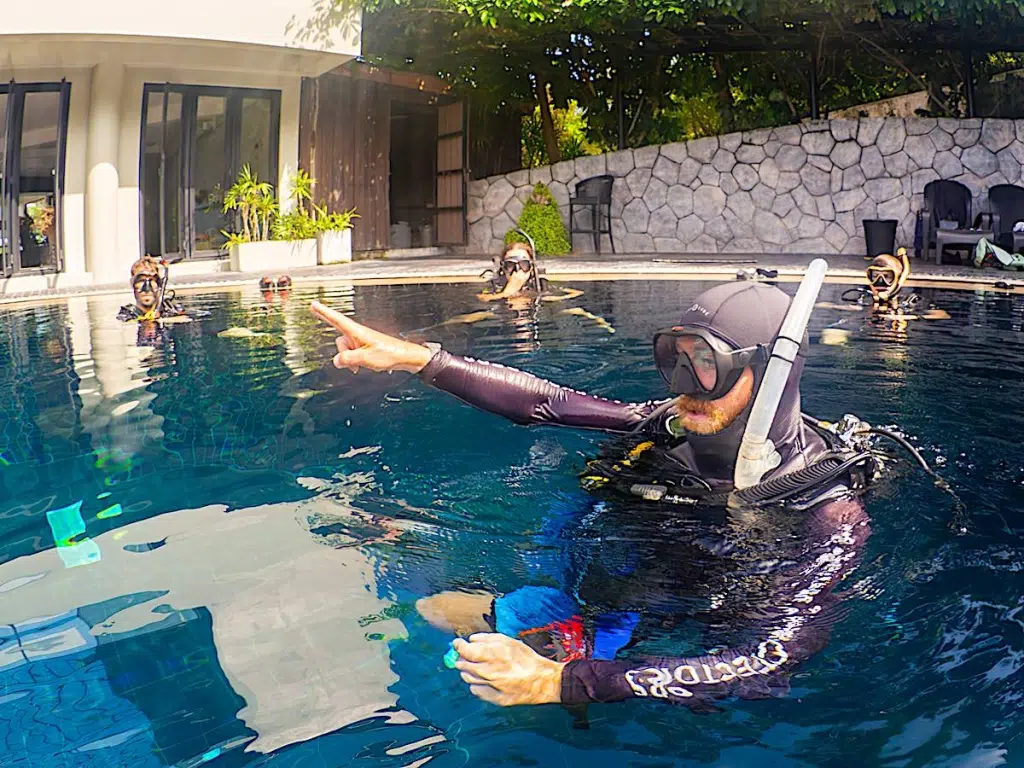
[795,626]
[518,396]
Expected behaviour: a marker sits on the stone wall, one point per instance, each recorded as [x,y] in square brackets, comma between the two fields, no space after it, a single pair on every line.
[795,189]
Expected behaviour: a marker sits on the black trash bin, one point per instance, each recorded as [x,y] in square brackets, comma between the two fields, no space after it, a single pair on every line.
[880,236]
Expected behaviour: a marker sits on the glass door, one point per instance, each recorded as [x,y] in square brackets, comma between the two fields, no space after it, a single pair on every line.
[195,141]
[34,130]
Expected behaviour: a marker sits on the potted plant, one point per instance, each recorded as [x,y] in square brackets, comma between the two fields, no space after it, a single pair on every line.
[334,236]
[268,240]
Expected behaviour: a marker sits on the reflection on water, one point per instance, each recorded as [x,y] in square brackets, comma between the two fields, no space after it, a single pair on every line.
[242,532]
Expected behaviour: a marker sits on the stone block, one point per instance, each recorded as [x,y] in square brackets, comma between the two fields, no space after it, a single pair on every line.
[746,177]
[708,202]
[667,245]
[638,243]
[689,169]
[892,136]
[709,176]
[784,204]
[666,170]
[941,139]
[855,245]
[921,179]
[540,175]
[519,178]
[768,172]
[480,235]
[743,245]
[646,157]
[804,201]
[620,163]
[621,197]
[845,154]
[788,134]
[769,228]
[817,143]
[836,236]
[791,158]
[997,134]
[474,210]
[967,137]
[591,165]
[814,179]
[561,192]
[821,162]
[771,148]
[477,188]
[758,137]
[723,161]
[897,208]
[1009,166]
[497,197]
[731,141]
[675,152]
[656,194]
[866,210]
[883,189]
[702,244]
[853,177]
[897,164]
[849,199]
[920,149]
[739,227]
[788,180]
[810,227]
[868,130]
[947,165]
[750,153]
[980,160]
[920,126]
[728,184]
[515,208]
[763,197]
[949,124]
[702,150]
[500,225]
[689,229]
[680,200]
[843,130]
[636,217]
[742,206]
[792,221]
[719,229]
[663,223]
[826,209]
[637,181]
[872,163]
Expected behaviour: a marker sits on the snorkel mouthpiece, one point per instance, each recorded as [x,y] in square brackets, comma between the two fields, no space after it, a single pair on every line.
[757,454]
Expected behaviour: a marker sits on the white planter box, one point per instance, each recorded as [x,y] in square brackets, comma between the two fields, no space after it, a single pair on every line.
[334,247]
[273,255]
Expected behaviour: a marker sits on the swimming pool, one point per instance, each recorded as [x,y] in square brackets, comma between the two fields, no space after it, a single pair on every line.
[257,527]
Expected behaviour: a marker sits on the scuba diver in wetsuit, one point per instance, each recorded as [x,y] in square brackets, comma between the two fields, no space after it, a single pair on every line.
[149,279]
[887,275]
[517,274]
[715,362]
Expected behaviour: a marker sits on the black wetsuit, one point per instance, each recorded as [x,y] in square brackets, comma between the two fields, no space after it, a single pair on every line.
[794,616]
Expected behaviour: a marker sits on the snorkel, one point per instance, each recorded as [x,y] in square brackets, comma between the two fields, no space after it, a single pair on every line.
[897,266]
[757,455]
[533,259]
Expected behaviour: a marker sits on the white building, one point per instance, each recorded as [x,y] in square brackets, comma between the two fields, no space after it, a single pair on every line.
[119,119]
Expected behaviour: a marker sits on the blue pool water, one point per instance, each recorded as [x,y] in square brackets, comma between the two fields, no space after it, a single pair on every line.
[236,587]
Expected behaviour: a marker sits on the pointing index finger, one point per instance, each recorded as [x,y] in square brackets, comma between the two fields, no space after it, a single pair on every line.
[334,318]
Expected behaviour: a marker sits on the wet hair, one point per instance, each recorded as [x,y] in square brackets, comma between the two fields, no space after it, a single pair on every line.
[517,246]
[146,265]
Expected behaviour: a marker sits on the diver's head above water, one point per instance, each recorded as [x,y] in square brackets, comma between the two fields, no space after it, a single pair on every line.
[714,361]
[146,283]
[886,276]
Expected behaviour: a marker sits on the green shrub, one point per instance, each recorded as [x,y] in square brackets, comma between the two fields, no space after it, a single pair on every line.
[542,221]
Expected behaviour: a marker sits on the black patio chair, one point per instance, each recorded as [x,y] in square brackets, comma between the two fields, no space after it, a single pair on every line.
[1007,204]
[946,219]
[594,194]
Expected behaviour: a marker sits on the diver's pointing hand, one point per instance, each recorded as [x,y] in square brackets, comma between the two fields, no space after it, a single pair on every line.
[362,347]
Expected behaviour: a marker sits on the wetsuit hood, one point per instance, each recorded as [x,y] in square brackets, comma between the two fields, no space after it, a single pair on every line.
[744,315]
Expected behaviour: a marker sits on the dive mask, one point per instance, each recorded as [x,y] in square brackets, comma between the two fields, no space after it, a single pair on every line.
[147,283]
[695,362]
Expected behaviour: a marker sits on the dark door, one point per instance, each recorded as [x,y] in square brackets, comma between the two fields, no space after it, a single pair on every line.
[34,133]
[194,142]
[451,174]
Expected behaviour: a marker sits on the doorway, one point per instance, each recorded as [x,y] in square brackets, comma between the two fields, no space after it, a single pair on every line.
[33,135]
[195,140]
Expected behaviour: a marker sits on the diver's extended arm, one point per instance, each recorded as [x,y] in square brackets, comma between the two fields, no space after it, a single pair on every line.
[527,399]
[795,626]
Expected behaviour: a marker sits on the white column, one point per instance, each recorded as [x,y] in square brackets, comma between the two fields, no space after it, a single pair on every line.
[102,147]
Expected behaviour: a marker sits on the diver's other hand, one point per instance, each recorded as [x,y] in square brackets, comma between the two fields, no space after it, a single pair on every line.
[362,347]
[507,672]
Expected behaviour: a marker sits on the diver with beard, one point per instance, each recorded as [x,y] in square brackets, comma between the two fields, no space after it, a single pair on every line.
[152,299]
[539,645]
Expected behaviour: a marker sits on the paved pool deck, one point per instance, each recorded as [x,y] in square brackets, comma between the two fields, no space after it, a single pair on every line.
[605,267]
